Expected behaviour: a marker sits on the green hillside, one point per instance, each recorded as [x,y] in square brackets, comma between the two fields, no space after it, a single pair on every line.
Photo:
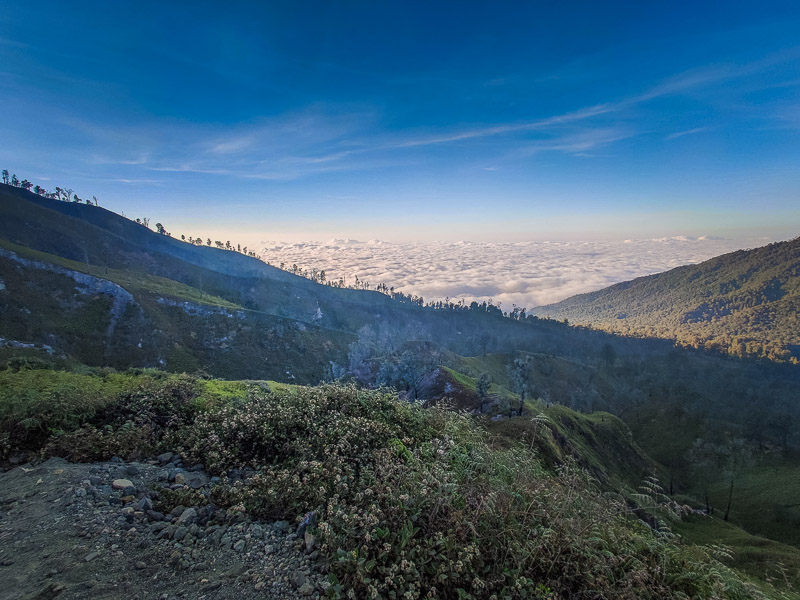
[469,510]
[746,303]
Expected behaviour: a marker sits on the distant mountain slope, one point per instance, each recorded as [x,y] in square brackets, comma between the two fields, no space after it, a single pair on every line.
[746,303]
[160,273]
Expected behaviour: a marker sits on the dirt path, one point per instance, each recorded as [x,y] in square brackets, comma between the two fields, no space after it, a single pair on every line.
[67,532]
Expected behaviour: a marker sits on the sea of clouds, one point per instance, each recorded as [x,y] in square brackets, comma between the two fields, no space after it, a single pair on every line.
[523,273]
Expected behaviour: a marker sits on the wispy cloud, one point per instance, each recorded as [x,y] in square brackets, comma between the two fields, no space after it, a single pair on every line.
[480,132]
[4,41]
[326,139]
[692,131]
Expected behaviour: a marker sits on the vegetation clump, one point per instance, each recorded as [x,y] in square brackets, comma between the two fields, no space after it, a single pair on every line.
[400,501]
[413,503]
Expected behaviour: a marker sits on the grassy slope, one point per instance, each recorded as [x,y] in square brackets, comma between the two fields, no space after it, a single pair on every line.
[760,558]
[46,401]
[133,281]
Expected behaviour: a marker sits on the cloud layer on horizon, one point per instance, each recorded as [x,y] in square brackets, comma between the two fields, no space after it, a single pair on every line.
[524,273]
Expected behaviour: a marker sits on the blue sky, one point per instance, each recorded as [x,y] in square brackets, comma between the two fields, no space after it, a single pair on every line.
[406,120]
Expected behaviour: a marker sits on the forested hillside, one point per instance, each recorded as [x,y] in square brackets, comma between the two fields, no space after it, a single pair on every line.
[745,303]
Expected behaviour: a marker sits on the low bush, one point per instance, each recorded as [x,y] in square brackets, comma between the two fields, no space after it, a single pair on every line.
[413,503]
[91,417]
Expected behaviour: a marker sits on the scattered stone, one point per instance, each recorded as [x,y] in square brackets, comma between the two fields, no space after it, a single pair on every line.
[306,589]
[180,533]
[311,541]
[239,546]
[180,478]
[196,480]
[144,504]
[121,484]
[140,565]
[187,517]
[91,556]
[165,458]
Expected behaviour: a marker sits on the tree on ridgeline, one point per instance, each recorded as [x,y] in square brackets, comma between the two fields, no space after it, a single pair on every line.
[14,180]
[26,185]
[519,374]
[5,176]
[482,388]
[608,355]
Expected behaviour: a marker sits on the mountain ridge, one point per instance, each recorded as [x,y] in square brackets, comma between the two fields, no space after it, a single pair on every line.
[744,303]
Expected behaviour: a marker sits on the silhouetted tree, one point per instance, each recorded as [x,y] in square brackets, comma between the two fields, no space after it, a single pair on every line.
[482,388]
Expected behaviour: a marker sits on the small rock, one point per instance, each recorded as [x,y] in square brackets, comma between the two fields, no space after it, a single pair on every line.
[281,526]
[187,517]
[165,458]
[180,478]
[298,579]
[140,565]
[306,589]
[239,546]
[196,480]
[144,504]
[91,556]
[311,541]
[121,484]
[180,533]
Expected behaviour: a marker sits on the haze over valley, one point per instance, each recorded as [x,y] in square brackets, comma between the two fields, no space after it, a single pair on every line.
[527,274]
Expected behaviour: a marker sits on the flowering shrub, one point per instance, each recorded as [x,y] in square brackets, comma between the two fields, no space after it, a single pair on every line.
[414,503]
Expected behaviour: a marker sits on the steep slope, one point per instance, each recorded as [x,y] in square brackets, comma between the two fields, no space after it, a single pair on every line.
[122,318]
[746,303]
[107,246]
